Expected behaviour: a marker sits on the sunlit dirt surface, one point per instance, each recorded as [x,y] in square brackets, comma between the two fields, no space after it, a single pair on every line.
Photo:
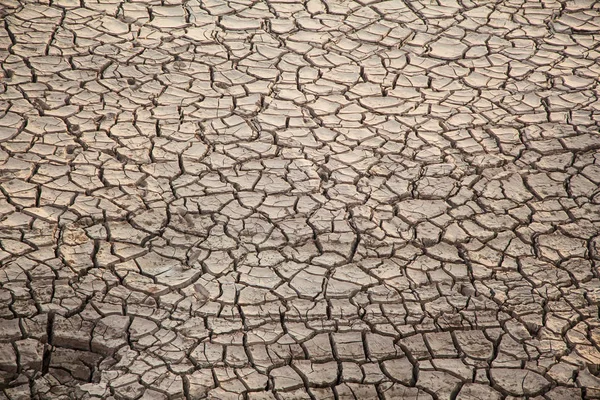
[299,200]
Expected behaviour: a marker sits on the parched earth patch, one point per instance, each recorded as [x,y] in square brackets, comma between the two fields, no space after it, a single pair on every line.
[322,199]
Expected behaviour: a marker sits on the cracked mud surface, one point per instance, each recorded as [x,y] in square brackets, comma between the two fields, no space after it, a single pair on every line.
[299,200]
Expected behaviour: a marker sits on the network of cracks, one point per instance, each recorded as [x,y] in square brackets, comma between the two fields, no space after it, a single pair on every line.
[322,199]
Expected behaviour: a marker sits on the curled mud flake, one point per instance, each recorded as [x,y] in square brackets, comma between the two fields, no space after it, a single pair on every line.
[201,293]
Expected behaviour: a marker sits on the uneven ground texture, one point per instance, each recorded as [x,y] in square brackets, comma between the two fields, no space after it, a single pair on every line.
[328,199]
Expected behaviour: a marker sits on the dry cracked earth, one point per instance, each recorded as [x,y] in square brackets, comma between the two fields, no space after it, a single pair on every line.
[322,199]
